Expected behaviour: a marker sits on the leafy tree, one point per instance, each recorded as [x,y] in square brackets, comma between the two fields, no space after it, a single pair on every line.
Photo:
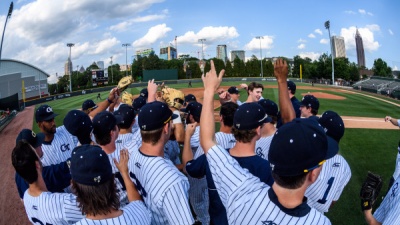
[268,68]
[113,72]
[239,68]
[228,69]
[342,66]
[354,74]
[194,66]
[152,62]
[253,67]
[381,68]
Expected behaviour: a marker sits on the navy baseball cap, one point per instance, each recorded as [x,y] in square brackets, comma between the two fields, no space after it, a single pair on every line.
[127,114]
[79,124]
[270,107]
[90,165]
[333,126]
[193,108]
[310,101]
[138,103]
[291,85]
[233,90]
[88,104]
[104,122]
[190,98]
[250,116]
[155,115]
[299,147]
[44,112]
[144,93]
[35,140]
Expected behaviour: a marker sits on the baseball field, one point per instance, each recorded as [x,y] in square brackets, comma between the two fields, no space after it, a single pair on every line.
[369,144]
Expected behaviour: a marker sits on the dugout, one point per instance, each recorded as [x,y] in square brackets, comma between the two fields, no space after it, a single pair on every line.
[158,75]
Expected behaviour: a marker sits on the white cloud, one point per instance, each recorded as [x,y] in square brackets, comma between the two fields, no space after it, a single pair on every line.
[318,31]
[391,32]
[367,34]
[104,46]
[301,41]
[211,34]
[254,44]
[349,12]
[311,35]
[395,68]
[126,24]
[364,12]
[301,46]
[152,36]
[324,41]
[312,55]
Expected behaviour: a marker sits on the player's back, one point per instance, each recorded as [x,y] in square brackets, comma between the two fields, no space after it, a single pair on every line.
[225,140]
[52,208]
[163,188]
[334,176]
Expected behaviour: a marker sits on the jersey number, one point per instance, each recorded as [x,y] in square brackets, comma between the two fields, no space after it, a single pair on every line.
[139,186]
[330,182]
[35,220]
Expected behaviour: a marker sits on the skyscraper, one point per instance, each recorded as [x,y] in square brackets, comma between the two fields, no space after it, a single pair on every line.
[221,53]
[360,50]
[339,49]
[168,52]
[238,53]
[68,67]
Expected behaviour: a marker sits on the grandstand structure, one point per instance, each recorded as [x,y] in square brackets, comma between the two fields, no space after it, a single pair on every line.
[380,85]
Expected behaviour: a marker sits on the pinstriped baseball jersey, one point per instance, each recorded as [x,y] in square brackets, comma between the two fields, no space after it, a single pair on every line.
[396,173]
[388,211]
[334,176]
[198,191]
[133,213]
[52,208]
[59,149]
[225,140]
[262,146]
[164,189]
[135,126]
[172,151]
[124,141]
[248,200]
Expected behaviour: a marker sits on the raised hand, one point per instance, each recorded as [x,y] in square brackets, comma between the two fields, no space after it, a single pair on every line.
[281,70]
[211,80]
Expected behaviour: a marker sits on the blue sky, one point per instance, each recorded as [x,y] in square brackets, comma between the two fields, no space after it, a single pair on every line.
[38,31]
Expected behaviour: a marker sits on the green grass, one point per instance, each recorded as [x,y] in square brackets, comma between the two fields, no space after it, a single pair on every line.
[364,149]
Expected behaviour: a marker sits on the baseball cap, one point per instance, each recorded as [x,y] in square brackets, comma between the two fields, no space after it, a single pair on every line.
[88,104]
[138,103]
[270,107]
[104,122]
[190,98]
[79,124]
[155,115]
[44,112]
[298,147]
[310,101]
[193,108]
[35,140]
[233,90]
[333,126]
[90,165]
[127,114]
[249,116]
[291,85]
[144,93]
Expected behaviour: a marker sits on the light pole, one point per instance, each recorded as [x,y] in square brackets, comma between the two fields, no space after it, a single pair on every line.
[327,26]
[8,16]
[112,74]
[176,46]
[57,82]
[70,45]
[126,57]
[202,50]
[261,37]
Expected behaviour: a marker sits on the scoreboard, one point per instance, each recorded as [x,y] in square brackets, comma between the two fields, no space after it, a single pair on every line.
[98,78]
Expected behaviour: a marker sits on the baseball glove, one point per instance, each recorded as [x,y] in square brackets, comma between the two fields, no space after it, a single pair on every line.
[370,190]
[127,98]
[174,98]
[124,83]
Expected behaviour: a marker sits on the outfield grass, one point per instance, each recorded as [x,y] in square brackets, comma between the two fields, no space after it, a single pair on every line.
[364,149]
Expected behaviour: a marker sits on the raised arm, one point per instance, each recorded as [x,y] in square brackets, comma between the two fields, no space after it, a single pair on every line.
[207,132]
[112,98]
[122,166]
[394,121]
[152,90]
[285,105]
[187,153]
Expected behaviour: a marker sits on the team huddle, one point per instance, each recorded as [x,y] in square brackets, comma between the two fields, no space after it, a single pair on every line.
[118,162]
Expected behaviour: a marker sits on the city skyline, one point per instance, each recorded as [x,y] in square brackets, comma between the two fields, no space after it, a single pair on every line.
[38,31]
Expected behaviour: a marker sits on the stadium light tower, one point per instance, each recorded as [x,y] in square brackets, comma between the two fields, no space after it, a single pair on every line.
[261,37]
[5,23]
[70,45]
[328,26]
[202,50]
[126,57]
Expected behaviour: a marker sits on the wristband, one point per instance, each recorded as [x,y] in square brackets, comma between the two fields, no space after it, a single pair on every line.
[109,101]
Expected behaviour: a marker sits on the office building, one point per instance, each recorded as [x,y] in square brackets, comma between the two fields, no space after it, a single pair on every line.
[68,67]
[338,48]
[222,53]
[168,53]
[238,53]
[360,50]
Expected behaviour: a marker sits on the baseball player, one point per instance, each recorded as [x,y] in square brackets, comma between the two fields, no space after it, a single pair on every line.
[138,103]
[80,125]
[254,91]
[93,182]
[41,206]
[291,86]
[395,122]
[88,106]
[57,177]
[335,173]
[109,102]
[164,189]
[309,106]
[58,142]
[188,99]
[232,95]
[125,136]
[295,165]
[268,130]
